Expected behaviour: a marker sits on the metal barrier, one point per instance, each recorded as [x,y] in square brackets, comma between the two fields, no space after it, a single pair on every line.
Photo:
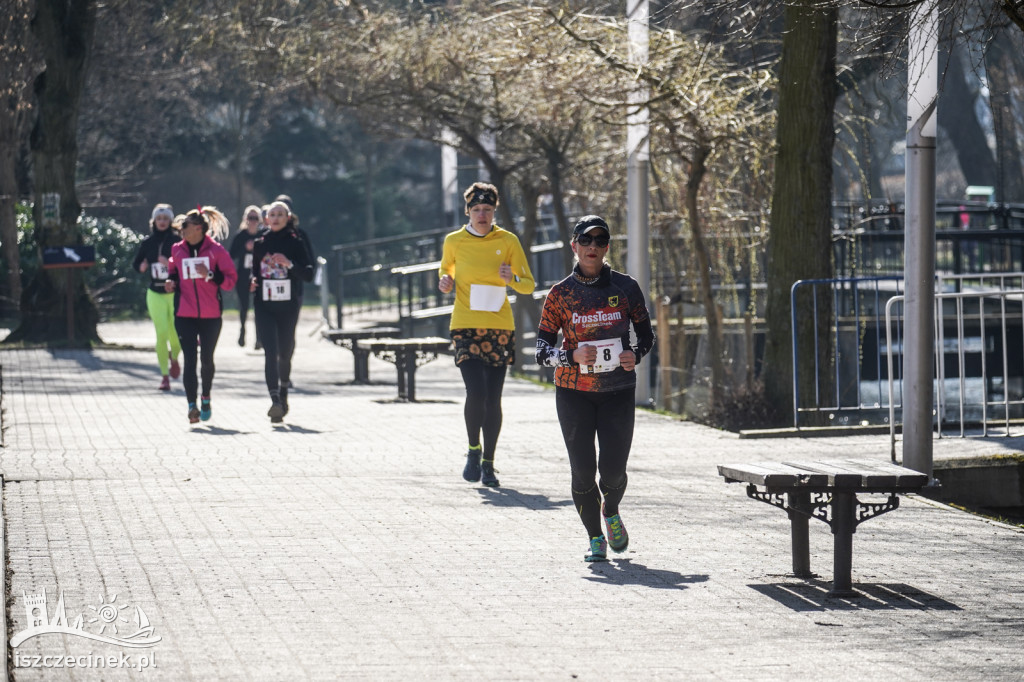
[983,381]
[857,380]
[857,305]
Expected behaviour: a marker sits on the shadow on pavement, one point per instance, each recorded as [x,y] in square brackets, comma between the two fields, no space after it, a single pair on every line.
[217,431]
[813,595]
[626,572]
[509,497]
[292,428]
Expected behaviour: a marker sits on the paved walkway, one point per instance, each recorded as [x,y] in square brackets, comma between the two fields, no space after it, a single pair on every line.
[345,545]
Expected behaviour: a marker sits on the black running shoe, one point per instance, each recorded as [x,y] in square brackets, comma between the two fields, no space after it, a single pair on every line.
[487,472]
[472,471]
[276,412]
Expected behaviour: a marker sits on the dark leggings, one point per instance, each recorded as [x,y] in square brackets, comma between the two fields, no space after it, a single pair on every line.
[582,414]
[275,328]
[243,295]
[197,334]
[483,403]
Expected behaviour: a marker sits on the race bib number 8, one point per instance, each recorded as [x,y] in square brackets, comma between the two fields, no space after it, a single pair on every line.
[277,290]
[608,351]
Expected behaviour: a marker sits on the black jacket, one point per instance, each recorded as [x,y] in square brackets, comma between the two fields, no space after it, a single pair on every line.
[289,243]
[152,247]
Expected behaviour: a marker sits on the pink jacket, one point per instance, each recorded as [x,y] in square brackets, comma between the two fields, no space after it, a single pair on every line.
[201,297]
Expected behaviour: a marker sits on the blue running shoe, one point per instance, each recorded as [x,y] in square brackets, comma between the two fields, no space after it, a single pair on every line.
[193,414]
[207,411]
[598,550]
[618,538]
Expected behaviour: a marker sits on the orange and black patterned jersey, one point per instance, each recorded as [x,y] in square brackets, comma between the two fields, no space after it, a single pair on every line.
[599,312]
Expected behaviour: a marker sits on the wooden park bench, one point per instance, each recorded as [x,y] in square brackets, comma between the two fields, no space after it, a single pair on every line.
[353,339]
[407,355]
[826,490]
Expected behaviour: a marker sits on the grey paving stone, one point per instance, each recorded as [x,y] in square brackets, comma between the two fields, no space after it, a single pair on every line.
[345,545]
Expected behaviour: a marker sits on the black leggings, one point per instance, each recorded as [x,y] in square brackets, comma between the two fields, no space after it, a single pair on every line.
[275,328]
[243,295]
[582,414]
[483,403]
[197,334]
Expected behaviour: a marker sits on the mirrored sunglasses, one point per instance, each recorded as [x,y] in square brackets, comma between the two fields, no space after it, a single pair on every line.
[586,240]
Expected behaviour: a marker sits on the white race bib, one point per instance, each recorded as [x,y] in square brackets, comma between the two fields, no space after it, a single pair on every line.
[188,267]
[158,270]
[608,351]
[486,297]
[247,261]
[277,290]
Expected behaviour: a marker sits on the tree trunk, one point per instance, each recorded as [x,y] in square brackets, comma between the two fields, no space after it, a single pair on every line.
[976,159]
[800,244]
[558,204]
[697,171]
[64,31]
[14,64]
[1002,65]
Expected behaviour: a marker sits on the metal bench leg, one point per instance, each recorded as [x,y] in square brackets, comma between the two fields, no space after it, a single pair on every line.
[843,525]
[362,364]
[799,515]
[410,368]
[400,357]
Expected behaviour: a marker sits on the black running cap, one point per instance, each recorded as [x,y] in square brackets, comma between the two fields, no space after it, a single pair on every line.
[588,223]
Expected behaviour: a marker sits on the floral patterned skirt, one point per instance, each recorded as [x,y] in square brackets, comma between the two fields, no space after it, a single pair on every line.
[496,347]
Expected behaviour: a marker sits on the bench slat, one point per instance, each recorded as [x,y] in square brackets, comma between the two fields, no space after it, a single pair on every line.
[428,343]
[772,474]
[905,478]
[849,473]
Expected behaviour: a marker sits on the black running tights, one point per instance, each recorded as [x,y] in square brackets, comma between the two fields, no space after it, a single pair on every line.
[197,335]
[483,403]
[275,328]
[609,416]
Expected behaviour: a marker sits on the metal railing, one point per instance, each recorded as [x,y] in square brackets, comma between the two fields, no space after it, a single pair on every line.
[854,387]
[983,381]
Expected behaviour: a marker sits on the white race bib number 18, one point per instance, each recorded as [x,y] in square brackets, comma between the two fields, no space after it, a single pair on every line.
[608,351]
[277,290]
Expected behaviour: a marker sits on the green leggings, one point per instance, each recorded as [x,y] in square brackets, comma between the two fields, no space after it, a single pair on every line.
[161,310]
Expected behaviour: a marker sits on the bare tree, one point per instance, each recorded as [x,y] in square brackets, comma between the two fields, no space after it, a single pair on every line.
[16,66]
[64,30]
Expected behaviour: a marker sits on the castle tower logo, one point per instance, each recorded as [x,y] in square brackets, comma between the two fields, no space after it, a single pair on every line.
[109,622]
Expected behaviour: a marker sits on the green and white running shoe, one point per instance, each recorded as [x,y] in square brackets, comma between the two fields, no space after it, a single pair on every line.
[618,538]
[598,550]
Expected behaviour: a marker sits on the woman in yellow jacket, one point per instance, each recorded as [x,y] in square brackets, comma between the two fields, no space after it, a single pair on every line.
[479,261]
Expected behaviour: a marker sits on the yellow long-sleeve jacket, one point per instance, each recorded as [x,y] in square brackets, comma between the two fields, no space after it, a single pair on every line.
[473,260]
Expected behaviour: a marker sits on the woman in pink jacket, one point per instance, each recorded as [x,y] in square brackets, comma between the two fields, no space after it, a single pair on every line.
[199,270]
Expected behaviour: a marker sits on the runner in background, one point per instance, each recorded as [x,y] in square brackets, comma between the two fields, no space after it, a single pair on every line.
[595,378]
[479,261]
[241,252]
[152,256]
[199,269]
[280,266]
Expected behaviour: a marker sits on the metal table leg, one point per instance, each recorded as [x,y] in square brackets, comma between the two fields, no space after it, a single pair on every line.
[362,363]
[799,511]
[844,505]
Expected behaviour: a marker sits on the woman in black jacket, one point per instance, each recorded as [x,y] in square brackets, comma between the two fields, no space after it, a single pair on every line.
[241,253]
[280,264]
[152,256]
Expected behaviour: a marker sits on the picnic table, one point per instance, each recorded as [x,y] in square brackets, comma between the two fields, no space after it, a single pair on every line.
[352,338]
[826,490]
